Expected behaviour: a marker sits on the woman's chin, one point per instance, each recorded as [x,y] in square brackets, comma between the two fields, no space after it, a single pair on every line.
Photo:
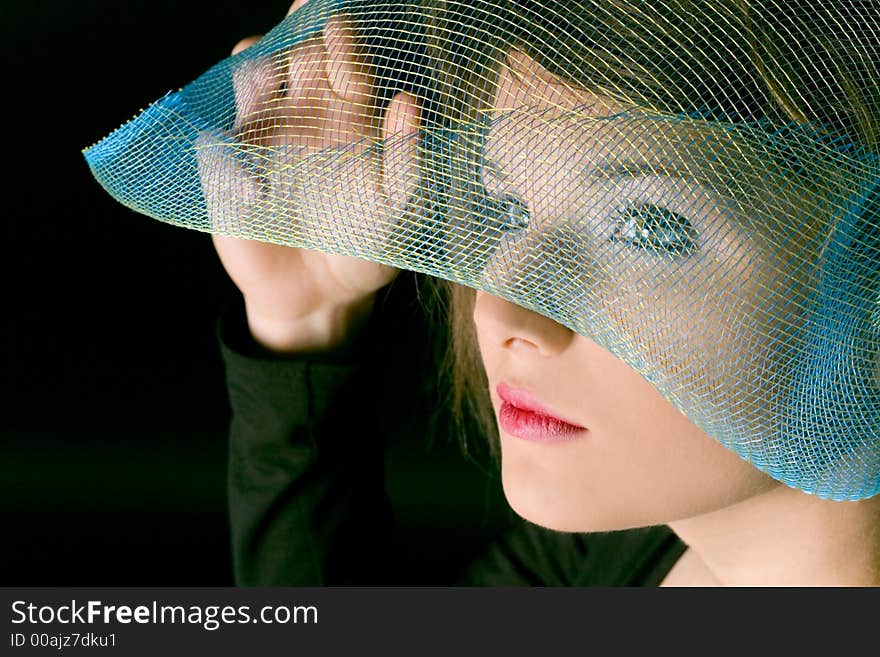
[543,501]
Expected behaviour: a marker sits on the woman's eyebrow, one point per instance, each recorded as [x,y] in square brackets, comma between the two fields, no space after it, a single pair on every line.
[640,168]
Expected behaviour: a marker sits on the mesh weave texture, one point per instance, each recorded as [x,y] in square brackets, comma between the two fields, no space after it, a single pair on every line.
[692,185]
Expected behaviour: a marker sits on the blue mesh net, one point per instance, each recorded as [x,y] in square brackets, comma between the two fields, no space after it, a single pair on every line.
[699,198]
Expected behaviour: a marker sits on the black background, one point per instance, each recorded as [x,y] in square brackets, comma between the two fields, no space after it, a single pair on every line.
[114,408]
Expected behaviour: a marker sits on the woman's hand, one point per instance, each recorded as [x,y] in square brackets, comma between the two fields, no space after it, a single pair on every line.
[319,96]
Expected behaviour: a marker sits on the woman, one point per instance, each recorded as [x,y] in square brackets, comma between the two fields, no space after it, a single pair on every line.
[698,156]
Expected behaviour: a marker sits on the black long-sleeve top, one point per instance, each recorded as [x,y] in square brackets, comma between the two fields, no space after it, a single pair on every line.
[308,443]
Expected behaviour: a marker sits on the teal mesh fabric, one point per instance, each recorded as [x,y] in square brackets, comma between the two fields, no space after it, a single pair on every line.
[692,185]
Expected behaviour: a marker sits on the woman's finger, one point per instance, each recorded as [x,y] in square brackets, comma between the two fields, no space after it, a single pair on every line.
[348,74]
[400,155]
[232,196]
[245,43]
[254,83]
[296,5]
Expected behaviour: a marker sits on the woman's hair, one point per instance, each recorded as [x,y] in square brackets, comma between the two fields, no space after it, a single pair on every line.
[719,58]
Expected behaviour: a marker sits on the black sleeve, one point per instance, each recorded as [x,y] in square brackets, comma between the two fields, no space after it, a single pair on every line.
[307,497]
[529,555]
[307,504]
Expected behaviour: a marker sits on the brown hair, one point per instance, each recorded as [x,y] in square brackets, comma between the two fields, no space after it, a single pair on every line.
[664,56]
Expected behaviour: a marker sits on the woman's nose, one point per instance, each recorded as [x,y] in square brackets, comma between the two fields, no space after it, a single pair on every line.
[513,327]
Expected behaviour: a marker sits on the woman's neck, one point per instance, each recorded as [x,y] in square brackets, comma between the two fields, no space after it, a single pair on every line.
[782,538]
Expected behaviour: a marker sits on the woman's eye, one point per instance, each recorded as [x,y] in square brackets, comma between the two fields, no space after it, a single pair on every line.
[654,228]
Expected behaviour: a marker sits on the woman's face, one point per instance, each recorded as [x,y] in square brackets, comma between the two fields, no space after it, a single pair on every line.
[636,460]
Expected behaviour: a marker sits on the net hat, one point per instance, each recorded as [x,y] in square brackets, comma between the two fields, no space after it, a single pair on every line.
[695,186]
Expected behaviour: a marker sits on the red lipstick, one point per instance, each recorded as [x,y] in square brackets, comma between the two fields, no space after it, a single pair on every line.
[523,416]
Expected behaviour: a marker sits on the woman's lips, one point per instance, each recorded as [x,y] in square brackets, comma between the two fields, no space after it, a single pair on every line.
[523,416]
